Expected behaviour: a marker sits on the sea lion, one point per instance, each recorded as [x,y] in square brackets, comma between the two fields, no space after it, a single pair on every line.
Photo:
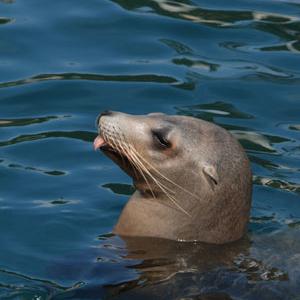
[193,179]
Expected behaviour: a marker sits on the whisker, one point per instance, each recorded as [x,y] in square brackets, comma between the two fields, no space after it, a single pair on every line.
[166,178]
[122,144]
[164,189]
[140,168]
[138,162]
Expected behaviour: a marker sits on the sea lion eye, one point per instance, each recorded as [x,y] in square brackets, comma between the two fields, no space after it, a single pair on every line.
[161,139]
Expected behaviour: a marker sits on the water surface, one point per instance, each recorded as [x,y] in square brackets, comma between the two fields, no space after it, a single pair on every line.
[235,63]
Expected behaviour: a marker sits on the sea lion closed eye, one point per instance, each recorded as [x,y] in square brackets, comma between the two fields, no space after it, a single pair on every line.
[193,179]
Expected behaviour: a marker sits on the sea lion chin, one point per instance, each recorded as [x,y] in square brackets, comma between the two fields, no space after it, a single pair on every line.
[193,179]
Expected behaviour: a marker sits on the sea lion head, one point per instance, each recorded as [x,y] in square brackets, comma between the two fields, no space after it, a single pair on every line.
[192,177]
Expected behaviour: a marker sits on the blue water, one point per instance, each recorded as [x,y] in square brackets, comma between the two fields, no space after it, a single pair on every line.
[235,63]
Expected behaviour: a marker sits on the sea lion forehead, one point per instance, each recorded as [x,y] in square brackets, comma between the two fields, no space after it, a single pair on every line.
[160,118]
[183,126]
[152,121]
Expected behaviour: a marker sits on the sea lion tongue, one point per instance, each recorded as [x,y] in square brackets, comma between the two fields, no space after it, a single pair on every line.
[98,142]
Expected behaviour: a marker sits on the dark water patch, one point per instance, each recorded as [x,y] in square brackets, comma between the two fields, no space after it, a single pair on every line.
[294,127]
[211,67]
[277,184]
[5,21]
[267,164]
[79,135]
[259,76]
[263,219]
[177,46]
[22,285]
[292,151]
[237,69]
[7,1]
[151,78]
[188,11]
[28,121]
[187,85]
[257,271]
[288,32]
[295,224]
[105,236]
[53,203]
[55,173]
[208,111]
[292,46]
[259,142]
[120,188]
[14,165]
[59,202]
[288,35]
[265,224]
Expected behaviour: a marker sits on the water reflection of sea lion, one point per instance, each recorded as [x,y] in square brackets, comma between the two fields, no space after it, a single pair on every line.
[193,179]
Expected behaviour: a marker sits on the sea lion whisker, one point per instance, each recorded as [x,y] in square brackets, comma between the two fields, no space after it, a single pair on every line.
[152,176]
[139,167]
[164,189]
[130,160]
[142,168]
[168,179]
[136,165]
[121,152]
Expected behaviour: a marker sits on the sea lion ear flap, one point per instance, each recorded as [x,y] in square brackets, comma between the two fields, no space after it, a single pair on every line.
[210,172]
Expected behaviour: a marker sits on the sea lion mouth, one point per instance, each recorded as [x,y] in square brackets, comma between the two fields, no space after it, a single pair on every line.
[102,144]
[115,154]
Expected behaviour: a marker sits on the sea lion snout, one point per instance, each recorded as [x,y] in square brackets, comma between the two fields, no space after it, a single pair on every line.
[104,113]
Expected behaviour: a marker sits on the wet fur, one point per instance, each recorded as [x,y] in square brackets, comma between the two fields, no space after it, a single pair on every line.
[197,190]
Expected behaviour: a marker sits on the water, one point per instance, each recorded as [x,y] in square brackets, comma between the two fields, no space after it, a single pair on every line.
[235,63]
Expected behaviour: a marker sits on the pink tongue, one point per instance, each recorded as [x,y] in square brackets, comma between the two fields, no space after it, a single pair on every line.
[98,142]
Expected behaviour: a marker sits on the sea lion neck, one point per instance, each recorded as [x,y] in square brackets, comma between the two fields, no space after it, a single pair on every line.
[149,217]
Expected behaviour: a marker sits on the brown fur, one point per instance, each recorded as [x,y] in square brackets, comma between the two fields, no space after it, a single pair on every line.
[197,187]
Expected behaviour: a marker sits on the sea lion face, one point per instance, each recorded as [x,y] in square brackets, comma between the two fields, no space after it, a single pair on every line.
[149,148]
[190,165]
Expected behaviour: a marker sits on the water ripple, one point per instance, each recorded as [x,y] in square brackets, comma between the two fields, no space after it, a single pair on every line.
[150,78]
[283,26]
[28,278]
[85,136]
[295,127]
[53,203]
[14,165]
[257,271]
[28,121]
[120,188]
[30,287]
[208,110]
[251,140]
[5,20]
[277,184]
[194,13]
[236,69]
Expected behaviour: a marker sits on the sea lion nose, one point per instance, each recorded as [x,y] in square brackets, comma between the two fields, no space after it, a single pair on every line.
[104,113]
